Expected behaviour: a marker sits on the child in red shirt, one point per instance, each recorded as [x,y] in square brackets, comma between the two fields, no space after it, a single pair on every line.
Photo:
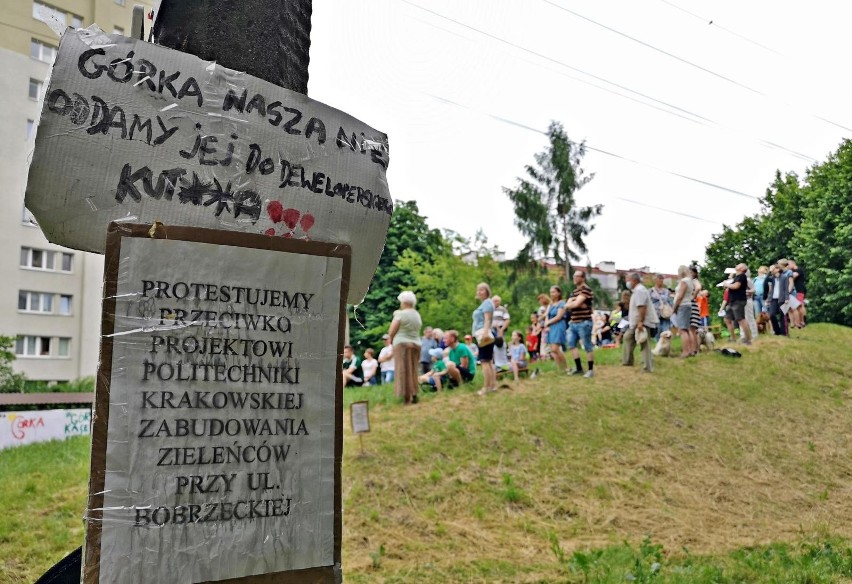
[532,344]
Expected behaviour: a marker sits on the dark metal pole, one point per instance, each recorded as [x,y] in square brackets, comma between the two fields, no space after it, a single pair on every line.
[269,39]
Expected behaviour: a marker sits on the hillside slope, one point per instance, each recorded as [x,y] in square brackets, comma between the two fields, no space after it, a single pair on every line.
[708,454]
[563,479]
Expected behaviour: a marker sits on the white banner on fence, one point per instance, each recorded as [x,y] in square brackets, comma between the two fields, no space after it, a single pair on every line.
[17,428]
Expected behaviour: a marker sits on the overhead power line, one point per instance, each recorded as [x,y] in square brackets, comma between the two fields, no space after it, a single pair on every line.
[605,152]
[665,210]
[655,48]
[691,64]
[696,118]
[712,22]
[557,61]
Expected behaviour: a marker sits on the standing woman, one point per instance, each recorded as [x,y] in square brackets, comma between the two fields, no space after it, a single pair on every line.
[556,327]
[543,347]
[661,298]
[404,335]
[683,311]
[483,318]
[695,315]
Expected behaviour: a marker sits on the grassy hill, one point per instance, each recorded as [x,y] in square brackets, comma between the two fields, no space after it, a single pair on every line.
[708,470]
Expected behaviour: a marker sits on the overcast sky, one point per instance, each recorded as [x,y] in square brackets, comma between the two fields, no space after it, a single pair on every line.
[465,90]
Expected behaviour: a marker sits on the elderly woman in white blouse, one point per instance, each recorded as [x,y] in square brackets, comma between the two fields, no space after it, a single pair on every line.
[404,335]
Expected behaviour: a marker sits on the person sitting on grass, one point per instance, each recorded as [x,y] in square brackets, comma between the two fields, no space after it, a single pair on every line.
[518,354]
[352,375]
[369,366]
[468,340]
[462,364]
[438,374]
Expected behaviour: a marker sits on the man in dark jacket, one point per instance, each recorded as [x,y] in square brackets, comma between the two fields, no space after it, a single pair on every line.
[777,295]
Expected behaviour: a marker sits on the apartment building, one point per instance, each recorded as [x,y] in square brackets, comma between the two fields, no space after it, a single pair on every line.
[50,296]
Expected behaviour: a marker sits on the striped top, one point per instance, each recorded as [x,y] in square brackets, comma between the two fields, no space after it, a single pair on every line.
[584,311]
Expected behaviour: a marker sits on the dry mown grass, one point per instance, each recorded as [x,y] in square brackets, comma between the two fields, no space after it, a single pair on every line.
[708,454]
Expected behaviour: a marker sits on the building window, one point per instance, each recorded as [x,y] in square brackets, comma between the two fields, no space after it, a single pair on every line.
[35,301]
[64,304]
[45,12]
[31,346]
[76,21]
[37,259]
[67,262]
[64,348]
[30,129]
[42,51]
[40,259]
[35,89]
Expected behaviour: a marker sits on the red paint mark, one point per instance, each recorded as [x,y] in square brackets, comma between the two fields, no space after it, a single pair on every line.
[291,217]
[307,222]
[270,231]
[274,210]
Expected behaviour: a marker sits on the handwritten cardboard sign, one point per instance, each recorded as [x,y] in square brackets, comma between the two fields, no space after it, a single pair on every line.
[135,132]
[217,435]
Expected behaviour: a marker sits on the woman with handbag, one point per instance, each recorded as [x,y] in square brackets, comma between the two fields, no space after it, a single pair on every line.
[483,318]
[661,298]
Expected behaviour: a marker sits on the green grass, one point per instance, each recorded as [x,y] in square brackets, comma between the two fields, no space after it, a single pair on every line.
[709,470]
[42,494]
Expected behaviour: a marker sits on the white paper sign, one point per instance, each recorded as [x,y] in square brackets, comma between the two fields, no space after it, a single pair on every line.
[132,131]
[18,428]
[360,417]
[220,444]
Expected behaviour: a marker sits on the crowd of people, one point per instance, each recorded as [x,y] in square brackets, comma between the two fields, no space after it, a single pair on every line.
[645,318]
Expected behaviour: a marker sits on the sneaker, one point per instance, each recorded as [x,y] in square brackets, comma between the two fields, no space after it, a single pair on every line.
[575,372]
[534,373]
[589,374]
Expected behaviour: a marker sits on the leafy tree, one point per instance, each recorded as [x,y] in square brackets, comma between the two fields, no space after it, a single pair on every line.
[783,205]
[445,288]
[408,231]
[823,244]
[546,210]
[477,247]
[10,382]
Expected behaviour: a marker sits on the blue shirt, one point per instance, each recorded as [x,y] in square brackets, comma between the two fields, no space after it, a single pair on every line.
[758,286]
[479,314]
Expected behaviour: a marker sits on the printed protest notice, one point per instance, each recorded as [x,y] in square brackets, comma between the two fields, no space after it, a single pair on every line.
[132,131]
[217,432]
[359,417]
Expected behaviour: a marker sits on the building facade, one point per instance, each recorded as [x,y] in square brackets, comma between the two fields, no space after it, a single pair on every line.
[50,296]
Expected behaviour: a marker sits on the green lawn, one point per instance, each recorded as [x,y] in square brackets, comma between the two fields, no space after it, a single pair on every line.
[709,470]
